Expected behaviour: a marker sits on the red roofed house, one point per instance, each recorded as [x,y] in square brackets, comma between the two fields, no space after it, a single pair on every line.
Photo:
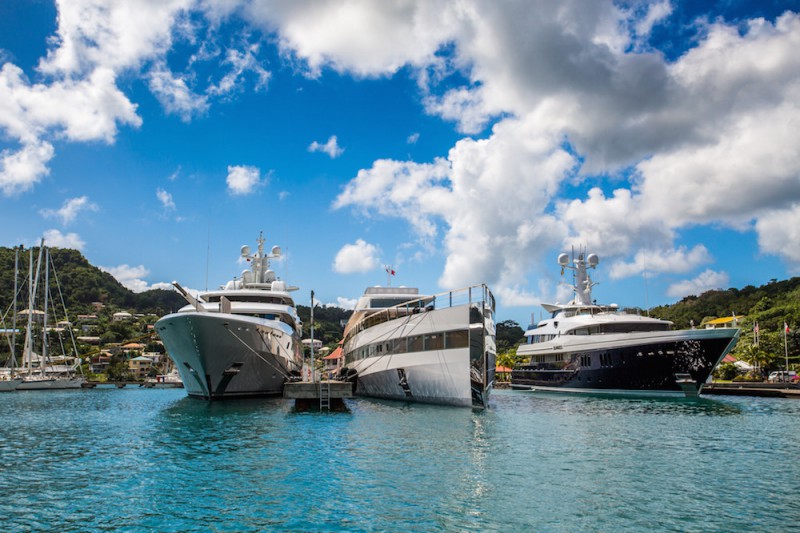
[334,361]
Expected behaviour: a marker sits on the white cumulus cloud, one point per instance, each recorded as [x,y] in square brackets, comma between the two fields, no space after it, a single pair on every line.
[55,238]
[243,180]
[357,257]
[70,209]
[678,261]
[131,277]
[331,147]
[706,281]
[165,199]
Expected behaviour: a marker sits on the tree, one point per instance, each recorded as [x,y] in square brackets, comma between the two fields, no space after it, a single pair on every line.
[508,335]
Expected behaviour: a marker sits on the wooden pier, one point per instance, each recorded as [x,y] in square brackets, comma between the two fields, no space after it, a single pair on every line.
[325,394]
[744,388]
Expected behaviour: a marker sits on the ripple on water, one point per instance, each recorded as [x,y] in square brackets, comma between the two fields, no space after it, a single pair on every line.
[135,459]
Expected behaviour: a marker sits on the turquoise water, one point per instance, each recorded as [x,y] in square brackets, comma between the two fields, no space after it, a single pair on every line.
[153,460]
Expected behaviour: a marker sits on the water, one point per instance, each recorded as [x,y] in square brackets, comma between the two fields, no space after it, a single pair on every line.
[154,460]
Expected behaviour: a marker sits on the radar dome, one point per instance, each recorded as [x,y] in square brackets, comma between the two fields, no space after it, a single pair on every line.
[593,260]
[563,260]
[245,250]
[276,251]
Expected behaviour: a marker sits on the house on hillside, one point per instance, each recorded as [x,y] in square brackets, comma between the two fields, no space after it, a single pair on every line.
[724,322]
[121,316]
[140,366]
[334,361]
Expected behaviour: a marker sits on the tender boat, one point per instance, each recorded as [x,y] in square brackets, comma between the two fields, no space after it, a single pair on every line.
[439,349]
[590,348]
[242,340]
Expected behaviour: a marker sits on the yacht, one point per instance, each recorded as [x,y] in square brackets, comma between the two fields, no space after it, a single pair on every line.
[241,340]
[591,348]
[440,349]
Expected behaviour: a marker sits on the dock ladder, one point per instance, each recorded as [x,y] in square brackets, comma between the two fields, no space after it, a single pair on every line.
[324,395]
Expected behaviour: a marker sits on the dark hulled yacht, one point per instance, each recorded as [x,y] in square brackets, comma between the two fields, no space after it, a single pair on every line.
[590,348]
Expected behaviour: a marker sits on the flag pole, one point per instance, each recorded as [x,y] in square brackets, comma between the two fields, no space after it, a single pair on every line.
[786,347]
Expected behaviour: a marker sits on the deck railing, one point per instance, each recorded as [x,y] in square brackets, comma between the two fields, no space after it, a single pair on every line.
[476,294]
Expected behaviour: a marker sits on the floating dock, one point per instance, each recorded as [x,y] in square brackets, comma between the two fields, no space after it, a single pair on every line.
[326,394]
[123,384]
[744,388]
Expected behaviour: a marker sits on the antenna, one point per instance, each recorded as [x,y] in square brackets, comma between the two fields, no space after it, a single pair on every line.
[208,252]
[644,275]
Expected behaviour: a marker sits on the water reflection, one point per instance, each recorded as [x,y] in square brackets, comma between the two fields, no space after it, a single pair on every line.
[611,404]
[148,459]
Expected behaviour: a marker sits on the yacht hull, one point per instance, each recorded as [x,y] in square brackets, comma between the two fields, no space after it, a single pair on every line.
[660,366]
[8,385]
[458,372]
[46,383]
[220,356]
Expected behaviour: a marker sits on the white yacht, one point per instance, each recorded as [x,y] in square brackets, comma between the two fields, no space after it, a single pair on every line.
[239,341]
[590,348]
[438,349]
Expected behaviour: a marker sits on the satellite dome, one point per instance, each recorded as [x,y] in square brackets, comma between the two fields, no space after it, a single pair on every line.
[563,260]
[245,250]
[593,260]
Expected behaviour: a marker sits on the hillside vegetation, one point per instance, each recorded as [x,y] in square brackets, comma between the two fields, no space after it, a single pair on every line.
[81,285]
[85,287]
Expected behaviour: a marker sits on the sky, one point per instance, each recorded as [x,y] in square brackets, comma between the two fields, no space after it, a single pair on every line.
[461,142]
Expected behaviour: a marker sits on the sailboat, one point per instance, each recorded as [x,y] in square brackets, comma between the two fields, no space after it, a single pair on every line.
[38,372]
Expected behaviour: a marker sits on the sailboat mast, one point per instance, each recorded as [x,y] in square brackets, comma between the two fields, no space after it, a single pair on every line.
[26,352]
[14,319]
[43,360]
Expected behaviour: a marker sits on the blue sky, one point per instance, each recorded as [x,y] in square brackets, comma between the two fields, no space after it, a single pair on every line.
[462,142]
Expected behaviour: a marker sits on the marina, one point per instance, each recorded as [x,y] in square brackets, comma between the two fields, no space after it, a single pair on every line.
[531,462]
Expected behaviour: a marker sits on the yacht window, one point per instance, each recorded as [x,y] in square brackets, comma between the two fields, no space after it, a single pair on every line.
[434,341]
[387,302]
[415,343]
[456,339]
[634,327]
[399,346]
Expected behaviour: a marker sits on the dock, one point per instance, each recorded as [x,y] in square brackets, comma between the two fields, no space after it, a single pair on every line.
[744,388]
[123,384]
[327,394]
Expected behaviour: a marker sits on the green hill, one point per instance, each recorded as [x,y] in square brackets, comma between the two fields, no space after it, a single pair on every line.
[770,305]
[81,285]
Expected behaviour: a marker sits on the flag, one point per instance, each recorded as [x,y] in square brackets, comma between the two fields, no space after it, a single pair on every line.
[786,327]
[755,328]
[389,270]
